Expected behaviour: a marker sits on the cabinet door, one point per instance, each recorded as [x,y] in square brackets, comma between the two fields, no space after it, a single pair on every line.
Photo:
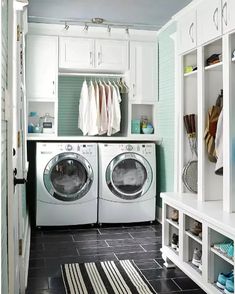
[228,12]
[187,32]
[208,21]
[42,67]
[76,53]
[143,71]
[112,55]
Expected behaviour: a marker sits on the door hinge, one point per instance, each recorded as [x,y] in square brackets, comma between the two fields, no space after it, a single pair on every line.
[18,33]
[19,139]
[20,247]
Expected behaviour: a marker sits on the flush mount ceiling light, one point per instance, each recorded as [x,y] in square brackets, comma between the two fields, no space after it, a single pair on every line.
[97,20]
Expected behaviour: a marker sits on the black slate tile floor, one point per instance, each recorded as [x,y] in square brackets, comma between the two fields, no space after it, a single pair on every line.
[51,247]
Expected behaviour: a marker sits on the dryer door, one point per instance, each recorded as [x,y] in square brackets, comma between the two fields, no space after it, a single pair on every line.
[129,176]
[68,177]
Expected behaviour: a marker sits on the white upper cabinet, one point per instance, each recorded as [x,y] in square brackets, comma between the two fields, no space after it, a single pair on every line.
[42,67]
[111,55]
[76,53]
[143,71]
[88,54]
[228,15]
[208,21]
[187,36]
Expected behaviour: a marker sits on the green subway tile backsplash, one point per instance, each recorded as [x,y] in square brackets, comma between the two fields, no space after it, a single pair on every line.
[69,90]
[166,112]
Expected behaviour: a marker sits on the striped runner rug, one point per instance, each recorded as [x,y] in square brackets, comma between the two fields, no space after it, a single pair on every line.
[107,277]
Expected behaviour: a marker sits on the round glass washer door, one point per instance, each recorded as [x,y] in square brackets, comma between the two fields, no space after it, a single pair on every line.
[68,177]
[129,176]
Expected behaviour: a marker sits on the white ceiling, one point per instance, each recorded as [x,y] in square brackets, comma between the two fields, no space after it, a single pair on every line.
[146,14]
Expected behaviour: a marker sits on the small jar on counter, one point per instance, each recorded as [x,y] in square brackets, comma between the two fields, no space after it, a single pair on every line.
[47,123]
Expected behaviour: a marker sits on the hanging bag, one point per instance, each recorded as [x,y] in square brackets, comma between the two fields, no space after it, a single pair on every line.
[211,127]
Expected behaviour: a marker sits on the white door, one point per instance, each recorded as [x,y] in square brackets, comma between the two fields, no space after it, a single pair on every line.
[228,12]
[42,54]
[76,53]
[186,31]
[143,71]
[16,149]
[111,55]
[208,21]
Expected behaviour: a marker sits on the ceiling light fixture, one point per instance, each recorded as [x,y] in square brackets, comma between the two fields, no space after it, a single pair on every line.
[97,20]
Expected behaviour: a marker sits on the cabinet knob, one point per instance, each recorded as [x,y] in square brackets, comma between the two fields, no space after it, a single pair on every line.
[224,15]
[191,32]
[99,58]
[134,90]
[91,59]
[215,19]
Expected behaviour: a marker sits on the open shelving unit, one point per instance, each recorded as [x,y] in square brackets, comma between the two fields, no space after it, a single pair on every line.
[214,204]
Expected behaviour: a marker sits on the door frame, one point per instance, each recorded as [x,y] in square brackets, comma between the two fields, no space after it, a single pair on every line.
[16,284]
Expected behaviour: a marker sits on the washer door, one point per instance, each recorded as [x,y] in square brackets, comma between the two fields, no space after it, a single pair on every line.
[129,176]
[68,177]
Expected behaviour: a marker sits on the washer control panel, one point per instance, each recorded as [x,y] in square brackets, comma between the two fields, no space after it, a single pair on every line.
[69,147]
[80,148]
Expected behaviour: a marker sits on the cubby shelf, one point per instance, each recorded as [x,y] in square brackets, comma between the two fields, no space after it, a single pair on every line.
[222,255]
[216,66]
[217,288]
[173,250]
[197,239]
[193,73]
[194,267]
[173,223]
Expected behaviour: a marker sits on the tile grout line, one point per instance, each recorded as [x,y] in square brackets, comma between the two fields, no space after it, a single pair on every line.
[143,248]
[176,284]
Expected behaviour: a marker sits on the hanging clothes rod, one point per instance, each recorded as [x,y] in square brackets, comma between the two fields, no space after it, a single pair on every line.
[85,74]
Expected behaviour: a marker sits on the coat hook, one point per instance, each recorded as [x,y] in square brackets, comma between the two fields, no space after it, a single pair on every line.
[66,26]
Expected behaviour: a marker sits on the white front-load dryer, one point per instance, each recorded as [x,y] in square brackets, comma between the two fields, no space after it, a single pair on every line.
[127,183]
[67,176]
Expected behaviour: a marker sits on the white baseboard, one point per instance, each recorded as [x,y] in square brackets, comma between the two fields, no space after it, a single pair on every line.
[159,214]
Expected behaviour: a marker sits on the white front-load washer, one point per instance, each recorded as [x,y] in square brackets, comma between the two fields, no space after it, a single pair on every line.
[127,183]
[67,177]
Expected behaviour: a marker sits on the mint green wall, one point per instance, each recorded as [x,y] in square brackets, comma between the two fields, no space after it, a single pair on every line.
[69,89]
[165,111]
[4,255]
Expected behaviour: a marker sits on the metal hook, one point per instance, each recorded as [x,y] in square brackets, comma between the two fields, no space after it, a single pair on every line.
[86,27]
[66,26]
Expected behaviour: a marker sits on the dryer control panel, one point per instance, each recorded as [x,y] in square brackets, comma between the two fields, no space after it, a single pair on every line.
[141,148]
[89,149]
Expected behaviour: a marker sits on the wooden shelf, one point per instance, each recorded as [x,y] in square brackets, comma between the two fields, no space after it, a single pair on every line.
[196,238]
[222,255]
[173,223]
[192,73]
[216,66]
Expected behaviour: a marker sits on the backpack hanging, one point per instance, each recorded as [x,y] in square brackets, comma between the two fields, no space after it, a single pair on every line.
[211,127]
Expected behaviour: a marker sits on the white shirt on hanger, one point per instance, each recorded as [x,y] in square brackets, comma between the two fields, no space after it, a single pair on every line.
[103,110]
[116,112]
[93,129]
[109,107]
[83,109]
[97,99]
